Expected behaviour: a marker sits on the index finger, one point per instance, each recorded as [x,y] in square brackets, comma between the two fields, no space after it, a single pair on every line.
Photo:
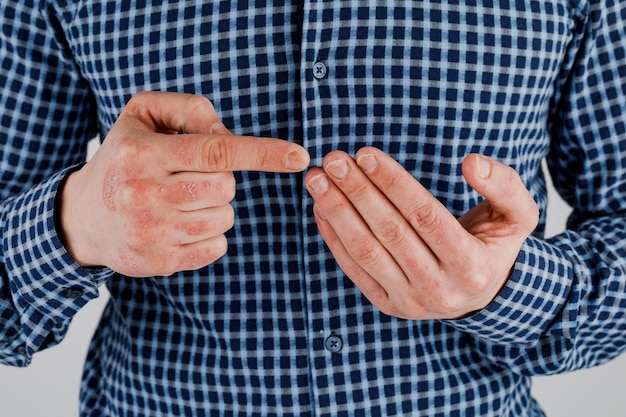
[206,145]
[226,152]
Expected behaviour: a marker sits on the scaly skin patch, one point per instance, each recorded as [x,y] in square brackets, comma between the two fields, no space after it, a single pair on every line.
[113,178]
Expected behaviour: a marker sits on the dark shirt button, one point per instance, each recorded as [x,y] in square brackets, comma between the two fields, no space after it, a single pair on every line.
[333,344]
[21,350]
[73,292]
[319,70]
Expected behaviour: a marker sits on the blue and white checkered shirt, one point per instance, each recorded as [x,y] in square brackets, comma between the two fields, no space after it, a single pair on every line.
[274,328]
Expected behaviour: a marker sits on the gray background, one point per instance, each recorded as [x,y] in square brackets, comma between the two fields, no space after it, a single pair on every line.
[49,387]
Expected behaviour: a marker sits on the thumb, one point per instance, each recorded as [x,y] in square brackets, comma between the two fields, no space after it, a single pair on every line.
[503,189]
[207,145]
[169,112]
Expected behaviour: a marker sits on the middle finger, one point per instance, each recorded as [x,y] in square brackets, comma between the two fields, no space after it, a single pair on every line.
[385,221]
[190,191]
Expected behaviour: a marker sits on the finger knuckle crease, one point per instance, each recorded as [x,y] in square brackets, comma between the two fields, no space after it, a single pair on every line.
[367,253]
[392,233]
[217,155]
[423,218]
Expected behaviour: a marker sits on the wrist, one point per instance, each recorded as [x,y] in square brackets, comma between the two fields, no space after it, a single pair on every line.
[69,222]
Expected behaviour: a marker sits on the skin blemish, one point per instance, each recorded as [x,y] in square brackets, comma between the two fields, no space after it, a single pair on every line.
[145,219]
[190,191]
[112,180]
[127,260]
[183,152]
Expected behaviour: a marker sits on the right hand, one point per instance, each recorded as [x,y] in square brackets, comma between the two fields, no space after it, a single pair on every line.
[155,202]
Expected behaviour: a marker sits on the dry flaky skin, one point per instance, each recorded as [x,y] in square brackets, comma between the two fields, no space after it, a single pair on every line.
[153,201]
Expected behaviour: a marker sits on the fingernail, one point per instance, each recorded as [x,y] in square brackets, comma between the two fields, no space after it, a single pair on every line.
[483,166]
[319,184]
[338,168]
[367,162]
[296,161]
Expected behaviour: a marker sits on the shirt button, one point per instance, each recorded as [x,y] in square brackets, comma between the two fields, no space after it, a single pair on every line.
[73,292]
[319,70]
[21,350]
[333,344]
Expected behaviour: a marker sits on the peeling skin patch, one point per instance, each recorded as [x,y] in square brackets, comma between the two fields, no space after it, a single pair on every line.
[116,177]
[190,189]
[112,180]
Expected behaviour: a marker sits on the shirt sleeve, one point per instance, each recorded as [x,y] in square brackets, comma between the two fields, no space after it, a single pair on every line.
[46,122]
[564,307]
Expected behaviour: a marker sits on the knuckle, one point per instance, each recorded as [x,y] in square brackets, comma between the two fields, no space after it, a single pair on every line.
[216,155]
[221,189]
[130,150]
[439,301]
[391,233]
[423,218]
[367,252]
[476,282]
[443,304]
[186,192]
[136,107]
[198,103]
[137,99]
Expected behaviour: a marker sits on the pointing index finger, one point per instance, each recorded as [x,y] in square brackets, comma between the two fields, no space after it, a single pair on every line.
[226,152]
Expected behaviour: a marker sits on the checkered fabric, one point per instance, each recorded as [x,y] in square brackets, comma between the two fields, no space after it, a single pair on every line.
[275,328]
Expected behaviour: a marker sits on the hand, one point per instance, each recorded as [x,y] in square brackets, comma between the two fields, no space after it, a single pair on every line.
[405,251]
[152,201]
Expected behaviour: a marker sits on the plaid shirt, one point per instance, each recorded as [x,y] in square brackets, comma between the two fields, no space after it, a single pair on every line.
[274,327]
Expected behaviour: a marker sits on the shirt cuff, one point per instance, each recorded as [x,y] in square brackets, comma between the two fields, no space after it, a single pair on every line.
[529,303]
[48,287]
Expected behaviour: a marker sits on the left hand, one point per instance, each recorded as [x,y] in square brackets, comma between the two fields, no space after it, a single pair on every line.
[405,251]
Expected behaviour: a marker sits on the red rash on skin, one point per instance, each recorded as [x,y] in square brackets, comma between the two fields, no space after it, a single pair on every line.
[196,229]
[182,151]
[113,178]
[145,220]
[127,260]
[190,190]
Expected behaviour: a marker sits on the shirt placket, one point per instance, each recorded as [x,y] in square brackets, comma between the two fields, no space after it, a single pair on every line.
[328,342]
